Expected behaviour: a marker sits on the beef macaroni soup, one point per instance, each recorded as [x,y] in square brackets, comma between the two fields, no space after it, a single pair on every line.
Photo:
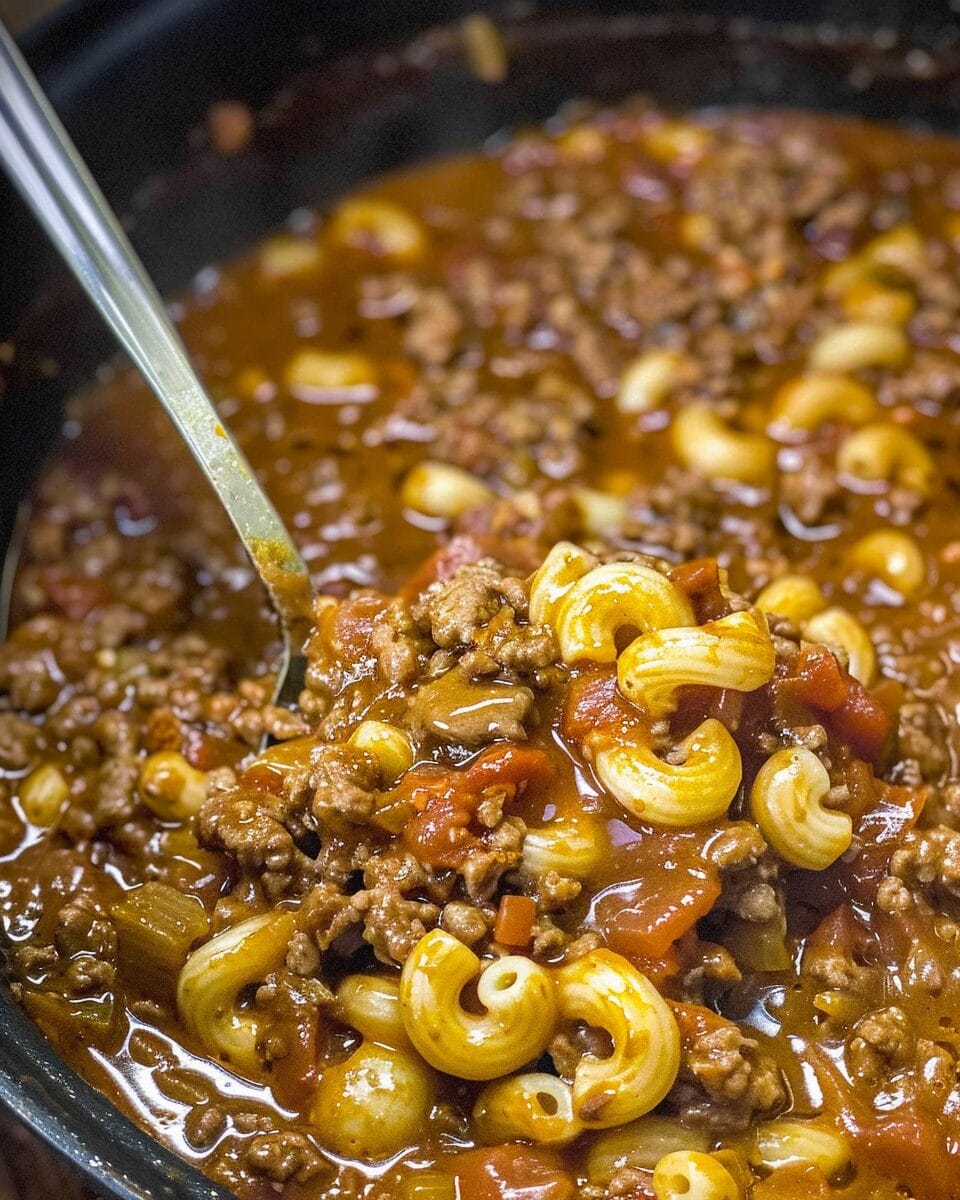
[613,848]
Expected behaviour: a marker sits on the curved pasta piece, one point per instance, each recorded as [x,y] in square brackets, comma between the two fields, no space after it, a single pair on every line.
[571,846]
[675,795]
[885,451]
[371,1005]
[605,990]
[782,1143]
[690,1175]
[374,1104]
[703,441]
[390,746]
[380,227]
[214,976]
[612,597]
[796,597]
[802,405]
[650,378]
[857,344]
[893,556]
[535,1106]
[516,993]
[787,804]
[734,652]
[836,627]
[438,489]
[559,571]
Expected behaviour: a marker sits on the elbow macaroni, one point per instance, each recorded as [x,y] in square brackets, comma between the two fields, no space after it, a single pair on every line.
[374,1104]
[858,344]
[601,513]
[800,600]
[690,1175]
[786,1143]
[370,1004]
[215,975]
[649,379]
[311,373]
[379,227]
[796,597]
[804,404]
[703,441]
[869,300]
[517,996]
[615,596]
[886,452]
[170,787]
[837,628]
[787,805]
[900,250]
[640,1145]
[571,846]
[698,789]
[535,1106]
[605,990]
[734,652]
[390,746]
[438,489]
[560,570]
[43,795]
[893,557]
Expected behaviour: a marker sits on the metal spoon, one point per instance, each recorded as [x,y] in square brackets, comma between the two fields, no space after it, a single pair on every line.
[45,166]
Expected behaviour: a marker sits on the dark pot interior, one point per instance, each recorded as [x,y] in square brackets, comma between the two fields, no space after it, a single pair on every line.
[365,89]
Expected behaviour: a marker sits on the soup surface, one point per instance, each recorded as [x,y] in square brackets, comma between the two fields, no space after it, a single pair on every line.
[612,850]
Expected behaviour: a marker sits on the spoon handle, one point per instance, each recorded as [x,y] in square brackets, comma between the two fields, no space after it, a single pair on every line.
[45,166]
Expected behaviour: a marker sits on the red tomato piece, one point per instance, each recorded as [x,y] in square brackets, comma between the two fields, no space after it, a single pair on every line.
[695,1022]
[515,919]
[862,721]
[817,680]
[880,831]
[671,887]
[444,801]
[511,1172]
[352,624]
[444,564]
[700,580]
[594,704]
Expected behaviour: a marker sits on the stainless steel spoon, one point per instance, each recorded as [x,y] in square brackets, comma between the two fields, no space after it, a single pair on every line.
[44,165]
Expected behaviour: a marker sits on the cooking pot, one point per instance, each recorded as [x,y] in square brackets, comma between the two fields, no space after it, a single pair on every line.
[345,91]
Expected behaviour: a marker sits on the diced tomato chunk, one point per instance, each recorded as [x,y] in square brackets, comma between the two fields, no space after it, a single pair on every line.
[444,564]
[862,721]
[696,1022]
[817,680]
[905,1143]
[594,704]
[352,624]
[643,923]
[511,1172]
[506,763]
[852,713]
[515,920]
[700,580]
[669,888]
[443,803]
[880,831]
[839,931]
[294,1077]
